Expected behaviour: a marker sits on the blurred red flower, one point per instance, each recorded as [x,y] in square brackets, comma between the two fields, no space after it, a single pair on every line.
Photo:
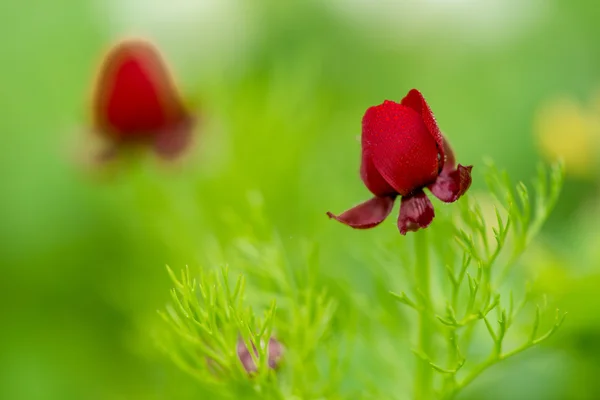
[403,151]
[136,101]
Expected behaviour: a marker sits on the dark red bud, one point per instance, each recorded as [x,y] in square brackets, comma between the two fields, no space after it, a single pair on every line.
[403,151]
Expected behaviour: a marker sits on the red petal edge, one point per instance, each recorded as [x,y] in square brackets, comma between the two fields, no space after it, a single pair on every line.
[450,161]
[415,100]
[170,143]
[416,212]
[372,178]
[449,186]
[368,214]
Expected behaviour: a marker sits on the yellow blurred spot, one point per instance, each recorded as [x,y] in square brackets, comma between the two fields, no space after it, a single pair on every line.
[564,129]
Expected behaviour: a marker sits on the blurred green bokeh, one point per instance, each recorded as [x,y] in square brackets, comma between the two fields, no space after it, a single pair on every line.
[282,87]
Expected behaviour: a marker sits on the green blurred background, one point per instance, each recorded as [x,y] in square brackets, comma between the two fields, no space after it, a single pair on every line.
[282,87]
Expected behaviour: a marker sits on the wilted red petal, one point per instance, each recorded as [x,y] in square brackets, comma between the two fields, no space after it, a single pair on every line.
[449,186]
[368,214]
[415,100]
[400,145]
[416,212]
[135,96]
[372,178]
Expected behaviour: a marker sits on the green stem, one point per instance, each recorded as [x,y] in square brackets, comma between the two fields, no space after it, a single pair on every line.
[424,374]
[453,358]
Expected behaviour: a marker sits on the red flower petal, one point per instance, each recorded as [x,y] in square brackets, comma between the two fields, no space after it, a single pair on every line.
[373,179]
[416,212]
[400,147]
[170,143]
[368,214]
[135,96]
[449,186]
[415,100]
[450,161]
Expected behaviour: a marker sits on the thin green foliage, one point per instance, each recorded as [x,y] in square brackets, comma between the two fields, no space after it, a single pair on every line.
[206,318]
[476,271]
[459,286]
[208,314]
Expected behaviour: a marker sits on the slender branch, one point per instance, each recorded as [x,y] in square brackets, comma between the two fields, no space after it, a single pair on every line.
[497,356]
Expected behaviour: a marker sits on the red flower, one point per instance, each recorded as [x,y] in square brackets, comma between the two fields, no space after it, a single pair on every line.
[403,151]
[135,101]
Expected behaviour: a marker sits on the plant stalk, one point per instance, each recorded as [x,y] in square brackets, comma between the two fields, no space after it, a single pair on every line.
[423,389]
